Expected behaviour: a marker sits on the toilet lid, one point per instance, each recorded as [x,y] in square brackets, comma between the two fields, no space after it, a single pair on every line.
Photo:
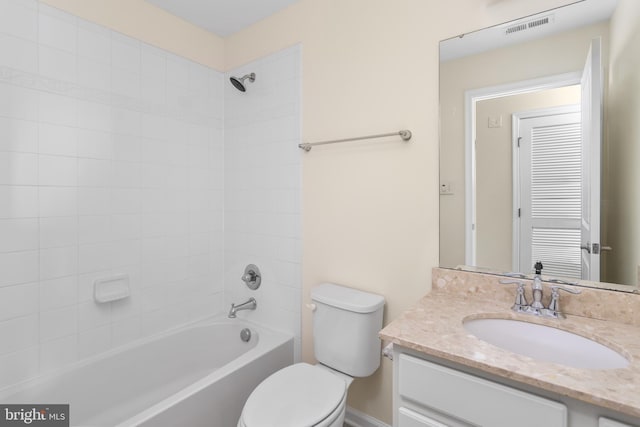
[296,396]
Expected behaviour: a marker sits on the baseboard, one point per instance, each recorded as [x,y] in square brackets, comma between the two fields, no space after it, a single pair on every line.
[355,418]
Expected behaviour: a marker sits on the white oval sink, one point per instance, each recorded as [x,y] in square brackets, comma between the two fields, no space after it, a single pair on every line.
[545,343]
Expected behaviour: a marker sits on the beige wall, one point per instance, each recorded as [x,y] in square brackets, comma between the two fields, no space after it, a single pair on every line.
[370,209]
[623,174]
[494,172]
[558,54]
[139,19]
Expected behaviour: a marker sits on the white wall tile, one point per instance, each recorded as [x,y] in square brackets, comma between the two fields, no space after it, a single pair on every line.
[58,323]
[87,171]
[57,140]
[18,267]
[57,293]
[92,315]
[94,201]
[58,231]
[126,201]
[58,262]
[57,29]
[57,109]
[18,102]
[19,333]
[95,116]
[18,168]
[125,53]
[18,201]
[18,235]
[94,42]
[57,201]
[20,19]
[94,144]
[126,121]
[94,229]
[18,300]
[57,64]
[18,135]
[94,173]
[57,171]
[125,227]
[18,53]
[93,74]
[58,353]
[127,148]
[95,257]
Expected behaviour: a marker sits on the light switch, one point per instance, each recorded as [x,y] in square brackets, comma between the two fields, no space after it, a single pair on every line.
[495,122]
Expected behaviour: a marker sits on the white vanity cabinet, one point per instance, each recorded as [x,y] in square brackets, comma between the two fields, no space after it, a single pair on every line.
[431,395]
[429,392]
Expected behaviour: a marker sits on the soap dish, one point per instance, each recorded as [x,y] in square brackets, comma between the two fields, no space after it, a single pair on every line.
[111,288]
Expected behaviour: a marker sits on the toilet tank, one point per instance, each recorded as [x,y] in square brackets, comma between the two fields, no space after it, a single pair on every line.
[346,323]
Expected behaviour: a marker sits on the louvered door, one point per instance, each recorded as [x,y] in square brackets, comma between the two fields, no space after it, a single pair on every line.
[550,191]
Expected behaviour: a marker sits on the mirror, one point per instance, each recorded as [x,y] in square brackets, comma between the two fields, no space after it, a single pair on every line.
[522,175]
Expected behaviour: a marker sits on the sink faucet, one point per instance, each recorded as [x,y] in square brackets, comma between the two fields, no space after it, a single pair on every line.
[536,307]
[536,287]
[251,304]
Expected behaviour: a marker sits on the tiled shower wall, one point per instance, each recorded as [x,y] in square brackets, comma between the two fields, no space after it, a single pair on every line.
[111,162]
[262,190]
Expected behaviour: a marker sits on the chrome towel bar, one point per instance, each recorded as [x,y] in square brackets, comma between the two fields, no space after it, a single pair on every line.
[404,134]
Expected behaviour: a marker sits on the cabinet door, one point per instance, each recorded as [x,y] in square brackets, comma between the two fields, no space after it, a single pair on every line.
[409,418]
[605,422]
[474,400]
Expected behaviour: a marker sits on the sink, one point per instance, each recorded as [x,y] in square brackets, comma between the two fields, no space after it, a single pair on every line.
[545,343]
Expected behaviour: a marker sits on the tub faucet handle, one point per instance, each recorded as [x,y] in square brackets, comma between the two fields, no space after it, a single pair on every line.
[252,277]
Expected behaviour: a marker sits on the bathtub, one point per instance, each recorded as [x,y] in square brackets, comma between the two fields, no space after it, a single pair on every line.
[195,376]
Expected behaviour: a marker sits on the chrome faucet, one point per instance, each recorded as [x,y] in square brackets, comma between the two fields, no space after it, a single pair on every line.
[536,287]
[536,307]
[251,304]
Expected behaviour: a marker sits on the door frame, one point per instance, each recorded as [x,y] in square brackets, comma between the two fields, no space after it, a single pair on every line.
[471,98]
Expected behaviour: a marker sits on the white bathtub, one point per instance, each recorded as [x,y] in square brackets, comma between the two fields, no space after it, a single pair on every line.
[193,377]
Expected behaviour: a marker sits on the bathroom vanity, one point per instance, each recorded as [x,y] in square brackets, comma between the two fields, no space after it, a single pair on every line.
[445,376]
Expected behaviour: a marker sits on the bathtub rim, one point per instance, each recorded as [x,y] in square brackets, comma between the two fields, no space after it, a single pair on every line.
[267,338]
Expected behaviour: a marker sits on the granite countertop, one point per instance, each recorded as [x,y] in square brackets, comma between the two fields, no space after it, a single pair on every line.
[434,326]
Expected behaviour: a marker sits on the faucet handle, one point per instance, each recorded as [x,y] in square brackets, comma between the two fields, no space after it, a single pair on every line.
[555,289]
[511,282]
[554,304]
[520,305]
[515,274]
[561,282]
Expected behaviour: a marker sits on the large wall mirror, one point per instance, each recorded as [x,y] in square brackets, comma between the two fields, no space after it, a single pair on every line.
[540,145]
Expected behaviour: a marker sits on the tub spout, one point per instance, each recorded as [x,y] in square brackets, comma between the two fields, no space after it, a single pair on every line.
[249,305]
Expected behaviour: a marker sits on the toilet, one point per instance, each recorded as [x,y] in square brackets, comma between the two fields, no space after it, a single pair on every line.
[345,335]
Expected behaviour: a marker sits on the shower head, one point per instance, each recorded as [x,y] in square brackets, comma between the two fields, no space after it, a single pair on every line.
[238,83]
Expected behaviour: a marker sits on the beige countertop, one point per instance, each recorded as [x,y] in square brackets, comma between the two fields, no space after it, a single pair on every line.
[434,326]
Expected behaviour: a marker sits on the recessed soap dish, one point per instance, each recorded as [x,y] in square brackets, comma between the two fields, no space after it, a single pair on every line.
[111,288]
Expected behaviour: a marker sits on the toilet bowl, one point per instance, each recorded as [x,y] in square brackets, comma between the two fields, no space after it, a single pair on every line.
[296,396]
[346,322]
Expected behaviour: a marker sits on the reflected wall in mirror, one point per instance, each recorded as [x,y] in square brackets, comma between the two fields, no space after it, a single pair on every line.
[515,161]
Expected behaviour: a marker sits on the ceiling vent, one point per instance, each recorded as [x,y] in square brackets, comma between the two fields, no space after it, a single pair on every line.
[529,25]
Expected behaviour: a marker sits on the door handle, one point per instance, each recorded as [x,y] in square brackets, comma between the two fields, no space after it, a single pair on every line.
[586,247]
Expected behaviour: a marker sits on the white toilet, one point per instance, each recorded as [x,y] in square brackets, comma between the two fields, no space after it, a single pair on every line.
[345,336]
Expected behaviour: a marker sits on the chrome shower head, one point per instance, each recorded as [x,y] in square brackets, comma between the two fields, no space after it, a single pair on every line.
[238,83]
